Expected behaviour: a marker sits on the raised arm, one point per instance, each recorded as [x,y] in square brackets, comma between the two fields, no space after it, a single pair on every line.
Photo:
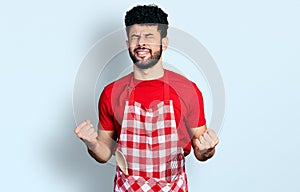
[204,141]
[100,144]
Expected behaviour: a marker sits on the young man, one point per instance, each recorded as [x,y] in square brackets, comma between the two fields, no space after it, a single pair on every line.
[150,118]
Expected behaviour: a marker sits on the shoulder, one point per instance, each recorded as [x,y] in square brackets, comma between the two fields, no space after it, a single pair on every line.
[180,82]
[119,84]
[176,76]
[187,91]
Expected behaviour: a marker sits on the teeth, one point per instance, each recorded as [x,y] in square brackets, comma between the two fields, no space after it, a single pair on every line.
[142,53]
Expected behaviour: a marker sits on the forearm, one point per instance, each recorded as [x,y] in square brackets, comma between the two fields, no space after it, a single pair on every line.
[100,152]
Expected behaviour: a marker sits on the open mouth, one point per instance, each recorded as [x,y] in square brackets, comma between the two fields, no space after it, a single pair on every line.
[142,53]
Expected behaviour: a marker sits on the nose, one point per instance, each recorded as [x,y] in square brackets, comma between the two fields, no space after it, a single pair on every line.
[142,41]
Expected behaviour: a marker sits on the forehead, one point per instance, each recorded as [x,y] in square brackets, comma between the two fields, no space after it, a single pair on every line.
[143,28]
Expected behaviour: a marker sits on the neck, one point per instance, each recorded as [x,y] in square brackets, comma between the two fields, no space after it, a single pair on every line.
[155,72]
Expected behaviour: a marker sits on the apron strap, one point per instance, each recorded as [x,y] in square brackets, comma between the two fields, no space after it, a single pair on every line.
[166,88]
[130,90]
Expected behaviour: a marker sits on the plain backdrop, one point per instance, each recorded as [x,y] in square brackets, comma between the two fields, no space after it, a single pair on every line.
[255,44]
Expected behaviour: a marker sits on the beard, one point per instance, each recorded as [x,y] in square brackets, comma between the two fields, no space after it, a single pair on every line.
[146,64]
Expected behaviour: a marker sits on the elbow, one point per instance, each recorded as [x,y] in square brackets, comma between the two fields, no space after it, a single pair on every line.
[102,159]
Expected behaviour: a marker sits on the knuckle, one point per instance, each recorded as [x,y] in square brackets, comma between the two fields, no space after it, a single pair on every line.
[216,141]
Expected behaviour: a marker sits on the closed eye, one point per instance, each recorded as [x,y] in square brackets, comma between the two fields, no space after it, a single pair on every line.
[148,35]
[135,36]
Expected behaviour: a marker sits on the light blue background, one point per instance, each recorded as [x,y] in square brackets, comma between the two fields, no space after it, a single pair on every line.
[255,43]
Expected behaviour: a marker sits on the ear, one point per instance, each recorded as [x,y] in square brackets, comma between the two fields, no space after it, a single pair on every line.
[165,43]
[127,44]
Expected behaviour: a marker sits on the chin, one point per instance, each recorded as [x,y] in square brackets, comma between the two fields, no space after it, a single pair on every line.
[147,65]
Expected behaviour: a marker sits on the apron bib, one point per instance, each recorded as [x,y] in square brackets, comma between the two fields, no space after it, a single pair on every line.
[149,143]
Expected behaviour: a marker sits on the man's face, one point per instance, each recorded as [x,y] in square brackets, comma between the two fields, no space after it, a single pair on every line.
[144,45]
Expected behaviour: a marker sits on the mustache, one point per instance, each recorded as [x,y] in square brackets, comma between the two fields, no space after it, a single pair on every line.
[142,48]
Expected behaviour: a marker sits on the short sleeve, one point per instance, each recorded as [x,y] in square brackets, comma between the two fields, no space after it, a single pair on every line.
[106,118]
[195,114]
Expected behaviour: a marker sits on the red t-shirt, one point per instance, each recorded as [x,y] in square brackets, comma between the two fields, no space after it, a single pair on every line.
[187,101]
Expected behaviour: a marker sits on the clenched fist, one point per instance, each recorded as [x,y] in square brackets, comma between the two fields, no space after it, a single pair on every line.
[87,133]
[205,144]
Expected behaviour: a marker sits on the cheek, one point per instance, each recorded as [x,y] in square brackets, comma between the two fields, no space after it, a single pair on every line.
[132,43]
[155,42]
[132,47]
[131,51]
[155,48]
[155,45]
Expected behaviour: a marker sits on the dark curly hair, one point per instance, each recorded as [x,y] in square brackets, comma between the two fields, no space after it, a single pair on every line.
[148,15]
